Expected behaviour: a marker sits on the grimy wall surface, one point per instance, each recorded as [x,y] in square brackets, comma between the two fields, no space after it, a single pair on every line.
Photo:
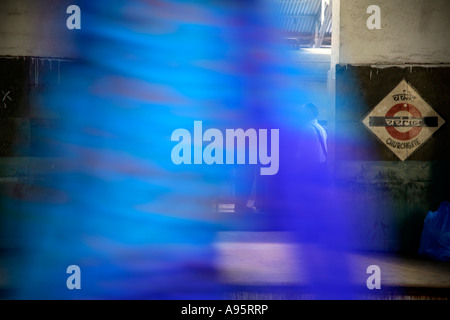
[35,28]
[35,43]
[412,31]
[390,198]
[34,47]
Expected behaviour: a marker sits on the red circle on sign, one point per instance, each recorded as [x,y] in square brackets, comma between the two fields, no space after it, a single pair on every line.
[408,135]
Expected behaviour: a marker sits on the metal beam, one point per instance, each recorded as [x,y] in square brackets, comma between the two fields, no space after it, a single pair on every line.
[324,26]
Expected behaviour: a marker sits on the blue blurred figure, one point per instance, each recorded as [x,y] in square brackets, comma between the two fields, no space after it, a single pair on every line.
[137,225]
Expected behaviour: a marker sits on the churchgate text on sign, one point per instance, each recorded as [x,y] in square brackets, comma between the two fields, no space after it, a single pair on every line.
[403,120]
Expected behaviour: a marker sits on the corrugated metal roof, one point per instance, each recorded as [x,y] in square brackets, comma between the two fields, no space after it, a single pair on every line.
[300,15]
[299,7]
[302,25]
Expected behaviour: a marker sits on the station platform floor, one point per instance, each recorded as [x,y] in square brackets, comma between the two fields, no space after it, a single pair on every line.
[261,265]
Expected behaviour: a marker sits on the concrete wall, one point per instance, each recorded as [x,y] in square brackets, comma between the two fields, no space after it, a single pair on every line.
[412,31]
[34,39]
[35,28]
[388,199]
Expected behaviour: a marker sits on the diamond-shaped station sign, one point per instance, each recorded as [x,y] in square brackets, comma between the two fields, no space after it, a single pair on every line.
[403,121]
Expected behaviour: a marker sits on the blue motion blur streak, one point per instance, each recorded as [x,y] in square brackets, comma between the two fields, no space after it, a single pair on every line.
[138,226]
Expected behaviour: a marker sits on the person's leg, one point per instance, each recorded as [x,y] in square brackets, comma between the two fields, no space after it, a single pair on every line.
[260,192]
[243,186]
